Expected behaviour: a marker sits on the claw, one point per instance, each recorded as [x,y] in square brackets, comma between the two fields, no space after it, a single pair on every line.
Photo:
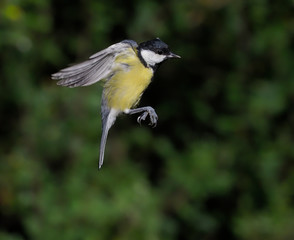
[153,117]
[142,117]
[153,125]
[139,120]
[153,121]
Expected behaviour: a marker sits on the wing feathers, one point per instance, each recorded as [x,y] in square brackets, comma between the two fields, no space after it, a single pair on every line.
[96,68]
[83,76]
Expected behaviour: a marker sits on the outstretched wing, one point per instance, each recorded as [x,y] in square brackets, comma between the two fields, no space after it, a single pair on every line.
[96,68]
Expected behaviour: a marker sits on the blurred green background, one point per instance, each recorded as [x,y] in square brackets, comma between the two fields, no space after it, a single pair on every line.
[219,165]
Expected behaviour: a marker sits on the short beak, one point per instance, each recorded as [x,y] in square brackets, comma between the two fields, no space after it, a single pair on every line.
[172,55]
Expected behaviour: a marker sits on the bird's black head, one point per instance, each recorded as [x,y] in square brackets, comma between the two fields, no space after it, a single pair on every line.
[154,52]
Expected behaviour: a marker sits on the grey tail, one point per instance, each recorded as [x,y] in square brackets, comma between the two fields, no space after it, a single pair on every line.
[108,119]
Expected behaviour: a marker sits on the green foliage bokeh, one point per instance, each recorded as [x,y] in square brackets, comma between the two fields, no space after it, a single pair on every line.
[219,165]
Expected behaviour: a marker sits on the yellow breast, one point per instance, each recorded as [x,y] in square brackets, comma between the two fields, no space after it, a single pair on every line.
[125,88]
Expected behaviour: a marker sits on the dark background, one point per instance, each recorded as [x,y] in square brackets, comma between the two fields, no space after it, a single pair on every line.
[219,165]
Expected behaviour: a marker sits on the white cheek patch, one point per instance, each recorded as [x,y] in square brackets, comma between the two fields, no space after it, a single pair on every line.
[152,58]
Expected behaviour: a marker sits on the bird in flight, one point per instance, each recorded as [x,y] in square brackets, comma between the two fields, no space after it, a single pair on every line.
[126,69]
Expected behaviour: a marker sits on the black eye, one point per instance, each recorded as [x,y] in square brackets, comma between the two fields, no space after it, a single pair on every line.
[159,51]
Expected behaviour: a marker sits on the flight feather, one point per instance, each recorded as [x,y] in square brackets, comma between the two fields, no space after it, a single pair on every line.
[96,68]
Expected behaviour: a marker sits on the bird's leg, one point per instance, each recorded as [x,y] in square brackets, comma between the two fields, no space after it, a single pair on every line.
[146,110]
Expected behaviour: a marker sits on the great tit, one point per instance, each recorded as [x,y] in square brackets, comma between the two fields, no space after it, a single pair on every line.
[127,69]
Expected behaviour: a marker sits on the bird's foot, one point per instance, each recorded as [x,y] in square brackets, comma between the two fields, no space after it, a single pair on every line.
[152,114]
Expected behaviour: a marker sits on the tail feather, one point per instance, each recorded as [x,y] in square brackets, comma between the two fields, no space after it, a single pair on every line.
[108,119]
